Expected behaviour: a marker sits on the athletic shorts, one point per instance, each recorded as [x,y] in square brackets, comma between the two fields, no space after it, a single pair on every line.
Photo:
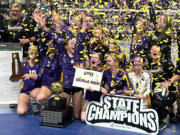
[93,96]
[48,85]
[72,91]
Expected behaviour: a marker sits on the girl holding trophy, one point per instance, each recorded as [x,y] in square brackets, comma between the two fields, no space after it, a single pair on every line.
[31,85]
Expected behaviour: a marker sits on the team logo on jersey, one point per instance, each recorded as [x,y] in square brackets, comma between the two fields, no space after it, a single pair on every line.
[112,83]
[72,61]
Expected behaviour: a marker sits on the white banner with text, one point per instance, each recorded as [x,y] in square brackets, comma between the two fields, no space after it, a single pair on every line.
[124,113]
[87,79]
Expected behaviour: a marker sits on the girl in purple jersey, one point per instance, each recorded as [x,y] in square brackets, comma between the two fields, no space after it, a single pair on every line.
[55,32]
[99,42]
[140,41]
[31,85]
[50,73]
[70,59]
[91,95]
[114,47]
[115,78]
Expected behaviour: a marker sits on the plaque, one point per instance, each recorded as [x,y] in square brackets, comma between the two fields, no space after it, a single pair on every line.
[57,114]
[16,76]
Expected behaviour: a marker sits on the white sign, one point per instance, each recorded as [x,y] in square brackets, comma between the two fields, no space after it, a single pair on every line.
[87,79]
[124,113]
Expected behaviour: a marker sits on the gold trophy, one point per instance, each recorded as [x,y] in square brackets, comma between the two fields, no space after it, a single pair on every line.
[15,77]
[57,88]
[56,114]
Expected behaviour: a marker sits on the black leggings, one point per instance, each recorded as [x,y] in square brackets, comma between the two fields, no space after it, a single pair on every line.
[160,105]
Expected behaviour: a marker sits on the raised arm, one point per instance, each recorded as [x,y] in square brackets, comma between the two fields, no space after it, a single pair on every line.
[172,80]
[126,7]
[152,13]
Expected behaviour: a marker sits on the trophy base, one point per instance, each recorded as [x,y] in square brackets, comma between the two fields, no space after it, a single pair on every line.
[56,125]
[57,118]
[56,105]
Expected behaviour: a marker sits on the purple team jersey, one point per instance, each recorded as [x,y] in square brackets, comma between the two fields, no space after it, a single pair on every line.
[30,84]
[51,71]
[119,83]
[67,63]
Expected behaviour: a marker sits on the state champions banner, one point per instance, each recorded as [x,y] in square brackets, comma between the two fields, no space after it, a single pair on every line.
[123,113]
[87,79]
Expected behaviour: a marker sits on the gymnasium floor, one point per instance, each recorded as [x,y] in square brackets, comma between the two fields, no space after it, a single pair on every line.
[12,124]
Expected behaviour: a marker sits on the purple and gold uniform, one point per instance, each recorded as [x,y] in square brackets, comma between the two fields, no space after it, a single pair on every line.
[45,36]
[68,69]
[80,42]
[68,64]
[141,47]
[138,46]
[30,84]
[50,71]
[80,39]
[119,83]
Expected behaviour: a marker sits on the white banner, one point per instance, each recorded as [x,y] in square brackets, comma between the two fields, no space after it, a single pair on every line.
[87,79]
[123,113]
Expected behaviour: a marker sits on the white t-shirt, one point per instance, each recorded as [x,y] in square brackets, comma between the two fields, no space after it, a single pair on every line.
[141,84]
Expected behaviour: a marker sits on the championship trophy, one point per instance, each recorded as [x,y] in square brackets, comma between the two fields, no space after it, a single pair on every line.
[56,114]
[16,76]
